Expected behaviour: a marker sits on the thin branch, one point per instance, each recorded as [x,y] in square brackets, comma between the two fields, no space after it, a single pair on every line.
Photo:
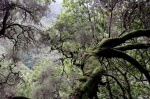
[122,88]
[109,53]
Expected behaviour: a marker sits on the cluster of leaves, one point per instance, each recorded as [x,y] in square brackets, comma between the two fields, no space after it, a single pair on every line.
[48,81]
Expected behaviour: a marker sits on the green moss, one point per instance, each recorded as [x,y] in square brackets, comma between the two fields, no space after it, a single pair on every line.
[90,64]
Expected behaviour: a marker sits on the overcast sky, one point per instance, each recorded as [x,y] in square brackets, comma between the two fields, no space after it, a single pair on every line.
[52,16]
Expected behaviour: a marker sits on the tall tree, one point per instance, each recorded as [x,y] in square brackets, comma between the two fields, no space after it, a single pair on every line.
[109,41]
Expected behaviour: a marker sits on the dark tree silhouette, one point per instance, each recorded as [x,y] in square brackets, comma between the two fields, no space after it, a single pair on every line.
[19,23]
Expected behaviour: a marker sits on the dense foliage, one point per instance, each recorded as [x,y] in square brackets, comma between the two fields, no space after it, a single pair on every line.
[108,40]
[103,48]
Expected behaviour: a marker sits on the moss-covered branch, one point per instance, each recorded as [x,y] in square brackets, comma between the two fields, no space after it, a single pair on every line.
[108,48]
[89,89]
[109,43]
[133,46]
[109,53]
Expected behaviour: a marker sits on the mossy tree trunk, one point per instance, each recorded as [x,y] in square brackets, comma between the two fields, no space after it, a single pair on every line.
[110,48]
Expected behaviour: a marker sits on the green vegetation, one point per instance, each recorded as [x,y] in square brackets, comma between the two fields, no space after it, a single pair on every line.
[97,49]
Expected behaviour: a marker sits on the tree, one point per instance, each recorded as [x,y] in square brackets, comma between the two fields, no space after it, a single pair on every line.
[22,27]
[19,23]
[108,40]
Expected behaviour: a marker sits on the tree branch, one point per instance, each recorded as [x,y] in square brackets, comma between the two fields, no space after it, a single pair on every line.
[119,84]
[87,90]
[109,53]
[109,43]
[5,18]
[133,46]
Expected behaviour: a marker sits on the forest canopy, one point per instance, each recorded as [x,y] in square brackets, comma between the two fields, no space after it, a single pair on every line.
[97,49]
